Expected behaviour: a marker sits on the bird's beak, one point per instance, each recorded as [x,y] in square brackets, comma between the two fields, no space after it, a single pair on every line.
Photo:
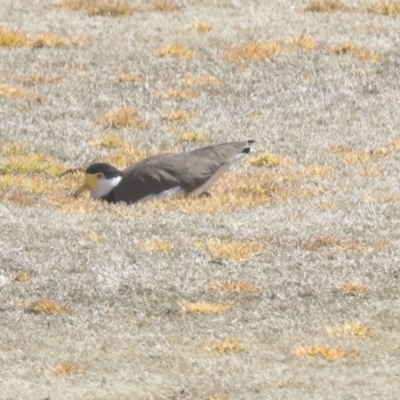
[82,189]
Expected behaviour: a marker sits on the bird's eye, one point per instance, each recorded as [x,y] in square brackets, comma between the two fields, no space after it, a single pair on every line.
[99,175]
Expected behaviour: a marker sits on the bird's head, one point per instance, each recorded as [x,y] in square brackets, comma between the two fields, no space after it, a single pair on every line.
[100,179]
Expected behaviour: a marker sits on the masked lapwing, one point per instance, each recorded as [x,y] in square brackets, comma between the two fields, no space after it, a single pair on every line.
[169,174]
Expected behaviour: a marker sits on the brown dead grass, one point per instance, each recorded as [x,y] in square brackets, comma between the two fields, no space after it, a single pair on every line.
[161,246]
[362,53]
[353,288]
[126,156]
[15,38]
[174,51]
[232,249]
[46,306]
[204,308]
[202,80]
[109,141]
[22,277]
[268,159]
[64,369]
[20,92]
[122,117]
[226,346]
[327,352]
[181,94]
[203,27]
[324,6]
[316,244]
[37,78]
[353,329]
[253,51]
[164,6]
[192,137]
[234,287]
[110,8]
[370,172]
[179,116]
[130,77]
[391,9]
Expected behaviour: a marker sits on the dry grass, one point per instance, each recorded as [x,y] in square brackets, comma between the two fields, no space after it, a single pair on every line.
[327,352]
[352,288]
[122,117]
[232,249]
[234,287]
[314,170]
[253,51]
[354,329]
[164,6]
[36,78]
[305,42]
[110,8]
[268,159]
[109,141]
[203,27]
[192,137]
[9,38]
[92,236]
[391,9]
[22,277]
[227,346]
[20,92]
[126,156]
[204,308]
[316,244]
[130,77]
[362,53]
[65,369]
[182,94]
[179,116]
[174,51]
[203,80]
[324,6]
[370,172]
[46,306]
[161,246]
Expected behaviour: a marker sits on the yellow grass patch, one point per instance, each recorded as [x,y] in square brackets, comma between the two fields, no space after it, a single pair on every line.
[352,157]
[126,156]
[122,117]
[14,38]
[354,329]
[109,141]
[64,369]
[164,6]
[315,170]
[179,116]
[174,51]
[37,78]
[46,306]
[20,92]
[203,80]
[227,346]
[203,27]
[327,352]
[130,77]
[268,159]
[371,172]
[352,288]
[391,9]
[234,287]
[324,6]
[327,205]
[31,163]
[204,308]
[305,42]
[113,8]
[162,246]
[349,245]
[182,94]
[362,53]
[92,236]
[395,144]
[22,277]
[390,197]
[192,137]
[232,249]
[253,51]
[234,190]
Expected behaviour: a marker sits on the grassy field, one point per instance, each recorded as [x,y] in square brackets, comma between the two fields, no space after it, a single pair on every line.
[283,285]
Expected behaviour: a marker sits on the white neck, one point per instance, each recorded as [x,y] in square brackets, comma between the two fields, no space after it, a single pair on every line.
[104,187]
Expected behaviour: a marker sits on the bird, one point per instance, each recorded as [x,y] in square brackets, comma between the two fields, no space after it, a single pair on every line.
[162,175]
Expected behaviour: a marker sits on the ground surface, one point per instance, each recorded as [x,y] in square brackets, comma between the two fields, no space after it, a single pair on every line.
[311,229]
